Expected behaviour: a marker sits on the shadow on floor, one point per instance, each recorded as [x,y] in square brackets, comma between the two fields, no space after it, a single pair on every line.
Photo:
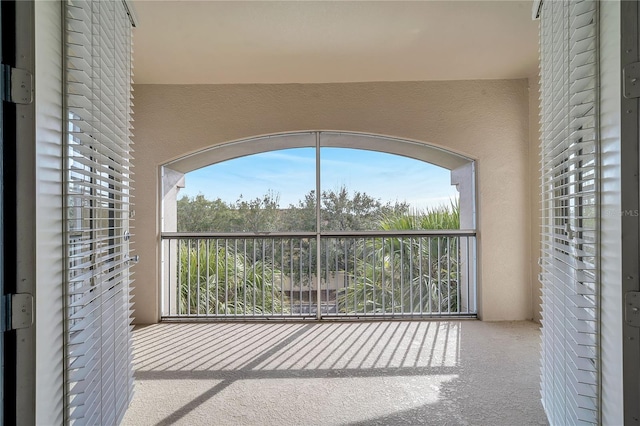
[405,372]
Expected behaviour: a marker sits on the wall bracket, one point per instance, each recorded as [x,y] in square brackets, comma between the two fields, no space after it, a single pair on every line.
[632,308]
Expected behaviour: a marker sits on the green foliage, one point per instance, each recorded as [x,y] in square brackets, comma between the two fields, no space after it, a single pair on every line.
[301,216]
[442,217]
[261,214]
[220,280]
[341,211]
[407,274]
[390,275]
[198,214]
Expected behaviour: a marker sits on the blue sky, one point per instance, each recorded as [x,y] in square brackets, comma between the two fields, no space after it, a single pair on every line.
[291,173]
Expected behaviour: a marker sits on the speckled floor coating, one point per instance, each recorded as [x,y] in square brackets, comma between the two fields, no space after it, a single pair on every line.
[337,373]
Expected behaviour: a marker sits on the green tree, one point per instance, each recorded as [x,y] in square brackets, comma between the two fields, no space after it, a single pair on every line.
[301,217]
[343,211]
[198,214]
[262,214]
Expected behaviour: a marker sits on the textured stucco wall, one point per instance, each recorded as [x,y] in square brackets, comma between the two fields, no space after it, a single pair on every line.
[485,120]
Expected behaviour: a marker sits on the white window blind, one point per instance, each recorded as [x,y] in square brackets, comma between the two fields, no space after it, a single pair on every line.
[569,259]
[99,378]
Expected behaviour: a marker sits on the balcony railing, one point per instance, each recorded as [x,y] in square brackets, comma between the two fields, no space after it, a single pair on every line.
[285,275]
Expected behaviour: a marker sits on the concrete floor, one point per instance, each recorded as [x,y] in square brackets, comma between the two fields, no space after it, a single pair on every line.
[348,373]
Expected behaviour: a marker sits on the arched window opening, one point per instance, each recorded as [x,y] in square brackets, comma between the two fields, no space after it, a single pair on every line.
[359,191]
[329,224]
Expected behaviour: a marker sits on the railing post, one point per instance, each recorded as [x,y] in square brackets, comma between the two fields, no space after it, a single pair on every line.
[464,280]
[318,222]
[318,279]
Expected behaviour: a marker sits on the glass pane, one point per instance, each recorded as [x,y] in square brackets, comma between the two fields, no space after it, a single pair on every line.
[367,190]
[267,192]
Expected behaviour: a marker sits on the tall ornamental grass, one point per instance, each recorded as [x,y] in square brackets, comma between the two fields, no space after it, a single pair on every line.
[407,274]
[217,279]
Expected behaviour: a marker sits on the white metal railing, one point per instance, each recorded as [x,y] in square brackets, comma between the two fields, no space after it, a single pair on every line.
[354,274]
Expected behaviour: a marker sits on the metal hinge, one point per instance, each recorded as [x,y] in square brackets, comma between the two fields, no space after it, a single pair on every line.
[631,80]
[632,308]
[17,85]
[17,311]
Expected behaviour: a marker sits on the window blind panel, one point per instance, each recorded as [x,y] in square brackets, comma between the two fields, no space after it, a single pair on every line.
[98,175]
[551,102]
[99,170]
[569,230]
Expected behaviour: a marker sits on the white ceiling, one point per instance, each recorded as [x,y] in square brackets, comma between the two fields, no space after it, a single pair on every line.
[226,42]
